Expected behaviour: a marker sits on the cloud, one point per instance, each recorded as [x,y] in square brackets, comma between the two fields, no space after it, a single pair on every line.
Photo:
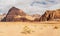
[39,6]
[32,9]
[7,2]
[54,7]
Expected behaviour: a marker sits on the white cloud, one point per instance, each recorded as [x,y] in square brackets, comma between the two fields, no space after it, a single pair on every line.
[25,5]
[54,7]
[7,2]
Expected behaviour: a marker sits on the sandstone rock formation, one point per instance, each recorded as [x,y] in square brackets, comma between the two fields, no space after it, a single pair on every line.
[12,13]
[51,15]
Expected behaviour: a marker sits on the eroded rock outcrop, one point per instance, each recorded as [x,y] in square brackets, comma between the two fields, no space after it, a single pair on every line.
[51,15]
[12,13]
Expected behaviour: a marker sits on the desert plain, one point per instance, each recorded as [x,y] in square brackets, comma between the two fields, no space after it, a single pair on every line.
[48,28]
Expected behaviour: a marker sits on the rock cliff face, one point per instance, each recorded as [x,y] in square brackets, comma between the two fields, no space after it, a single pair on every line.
[51,15]
[12,13]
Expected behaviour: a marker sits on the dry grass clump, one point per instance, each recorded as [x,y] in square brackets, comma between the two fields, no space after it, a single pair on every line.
[26,30]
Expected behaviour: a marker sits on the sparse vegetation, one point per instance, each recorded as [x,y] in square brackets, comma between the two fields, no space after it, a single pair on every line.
[26,30]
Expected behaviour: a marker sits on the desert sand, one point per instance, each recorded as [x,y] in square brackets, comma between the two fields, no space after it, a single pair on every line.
[50,28]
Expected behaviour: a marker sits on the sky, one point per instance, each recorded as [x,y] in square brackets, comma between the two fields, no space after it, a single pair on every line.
[30,6]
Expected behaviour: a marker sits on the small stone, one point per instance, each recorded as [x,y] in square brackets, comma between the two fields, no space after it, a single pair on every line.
[55,27]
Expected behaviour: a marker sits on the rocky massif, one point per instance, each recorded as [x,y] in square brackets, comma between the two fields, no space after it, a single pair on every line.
[51,15]
[15,14]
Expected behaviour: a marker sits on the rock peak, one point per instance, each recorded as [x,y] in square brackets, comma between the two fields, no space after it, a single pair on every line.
[12,13]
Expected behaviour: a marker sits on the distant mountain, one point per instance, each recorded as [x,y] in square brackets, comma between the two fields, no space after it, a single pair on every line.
[36,15]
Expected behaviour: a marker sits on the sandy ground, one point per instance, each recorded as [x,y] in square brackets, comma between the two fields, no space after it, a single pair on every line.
[30,28]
